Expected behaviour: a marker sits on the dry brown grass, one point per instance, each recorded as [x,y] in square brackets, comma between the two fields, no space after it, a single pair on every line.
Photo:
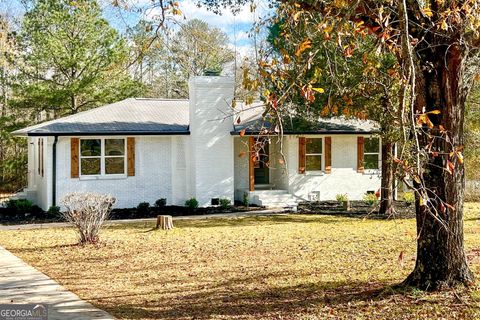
[281,267]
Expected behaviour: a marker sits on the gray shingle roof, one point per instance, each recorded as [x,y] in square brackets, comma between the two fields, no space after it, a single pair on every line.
[251,120]
[129,116]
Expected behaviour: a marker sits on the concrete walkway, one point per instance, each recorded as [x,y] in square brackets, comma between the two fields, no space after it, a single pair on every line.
[21,284]
[265,212]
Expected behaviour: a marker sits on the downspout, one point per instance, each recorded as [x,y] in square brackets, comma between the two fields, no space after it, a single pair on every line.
[54,172]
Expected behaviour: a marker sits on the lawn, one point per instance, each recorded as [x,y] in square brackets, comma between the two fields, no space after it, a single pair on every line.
[276,267]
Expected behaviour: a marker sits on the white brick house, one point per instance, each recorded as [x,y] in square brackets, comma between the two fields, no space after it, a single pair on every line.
[145,149]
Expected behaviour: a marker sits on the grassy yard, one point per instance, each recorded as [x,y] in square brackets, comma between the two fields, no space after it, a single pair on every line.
[282,267]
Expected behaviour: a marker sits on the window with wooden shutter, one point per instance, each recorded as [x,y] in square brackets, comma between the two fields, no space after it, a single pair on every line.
[301,154]
[371,153]
[313,154]
[74,157]
[328,154]
[360,146]
[131,156]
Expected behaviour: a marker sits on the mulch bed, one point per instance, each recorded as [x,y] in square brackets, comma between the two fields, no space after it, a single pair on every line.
[358,209]
[9,216]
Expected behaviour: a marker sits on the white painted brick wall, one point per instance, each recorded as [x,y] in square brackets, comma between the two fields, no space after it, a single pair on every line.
[152,180]
[211,148]
[343,179]
[42,185]
[241,166]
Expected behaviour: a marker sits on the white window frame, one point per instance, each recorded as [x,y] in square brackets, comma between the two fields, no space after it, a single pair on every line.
[103,157]
[378,153]
[315,154]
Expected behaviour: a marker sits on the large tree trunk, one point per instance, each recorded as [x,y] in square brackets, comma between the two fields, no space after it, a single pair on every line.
[441,260]
[386,194]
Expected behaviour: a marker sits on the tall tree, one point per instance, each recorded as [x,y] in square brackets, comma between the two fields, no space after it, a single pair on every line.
[13,157]
[197,47]
[353,82]
[72,59]
[166,61]
[7,49]
[437,46]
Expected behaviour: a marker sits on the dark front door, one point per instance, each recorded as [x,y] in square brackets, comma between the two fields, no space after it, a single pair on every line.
[262,171]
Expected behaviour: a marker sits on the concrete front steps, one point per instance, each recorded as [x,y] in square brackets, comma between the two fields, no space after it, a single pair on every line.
[273,199]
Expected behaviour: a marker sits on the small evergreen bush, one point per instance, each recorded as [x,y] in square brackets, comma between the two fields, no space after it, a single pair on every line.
[160,203]
[53,211]
[20,205]
[225,203]
[191,203]
[143,208]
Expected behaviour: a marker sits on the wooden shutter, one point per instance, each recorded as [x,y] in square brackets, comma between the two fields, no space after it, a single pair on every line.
[41,157]
[130,157]
[74,157]
[302,145]
[328,154]
[251,163]
[38,156]
[360,146]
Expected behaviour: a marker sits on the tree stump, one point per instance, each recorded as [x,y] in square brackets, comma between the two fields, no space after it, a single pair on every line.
[164,222]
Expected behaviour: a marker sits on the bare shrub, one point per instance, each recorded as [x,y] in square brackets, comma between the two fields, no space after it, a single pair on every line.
[87,212]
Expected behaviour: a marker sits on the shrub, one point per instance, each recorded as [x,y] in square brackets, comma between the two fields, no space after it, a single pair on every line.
[191,203]
[160,203]
[370,199]
[20,205]
[36,210]
[341,197]
[53,211]
[409,198]
[225,203]
[246,201]
[143,208]
[87,212]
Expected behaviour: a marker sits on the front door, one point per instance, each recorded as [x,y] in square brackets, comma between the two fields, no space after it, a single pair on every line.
[262,171]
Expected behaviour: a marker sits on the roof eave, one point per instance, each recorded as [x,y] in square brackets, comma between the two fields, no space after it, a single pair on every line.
[108,133]
[342,132]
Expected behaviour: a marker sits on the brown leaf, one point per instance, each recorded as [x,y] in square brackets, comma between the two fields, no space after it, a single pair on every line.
[242,133]
[401,257]
[450,167]
[450,206]
[442,208]
[306,44]
[459,157]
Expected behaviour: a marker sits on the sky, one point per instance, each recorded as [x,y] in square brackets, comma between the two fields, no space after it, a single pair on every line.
[237,27]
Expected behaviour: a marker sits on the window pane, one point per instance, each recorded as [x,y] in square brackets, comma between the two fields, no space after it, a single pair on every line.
[114,165]
[314,145]
[372,145]
[90,166]
[313,163]
[114,147]
[91,147]
[371,161]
